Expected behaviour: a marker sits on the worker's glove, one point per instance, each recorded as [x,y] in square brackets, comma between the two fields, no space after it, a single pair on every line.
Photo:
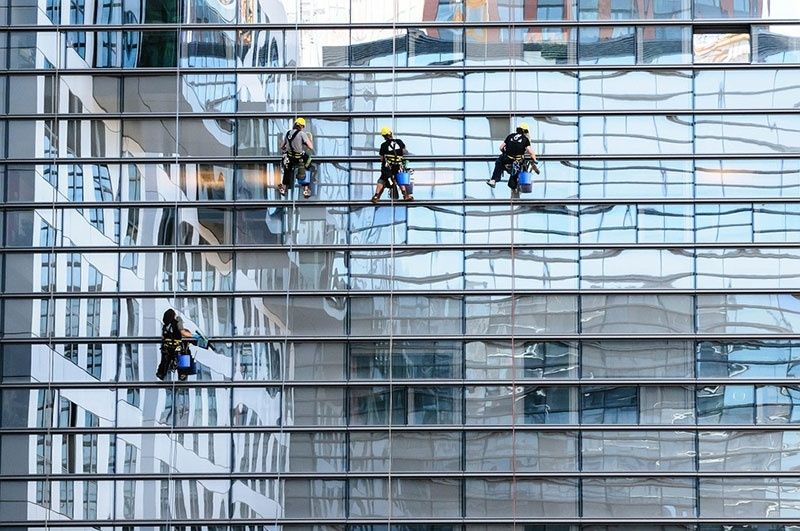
[534,167]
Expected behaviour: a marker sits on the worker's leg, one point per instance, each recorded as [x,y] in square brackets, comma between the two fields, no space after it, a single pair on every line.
[163,365]
[312,168]
[499,168]
[384,181]
[513,180]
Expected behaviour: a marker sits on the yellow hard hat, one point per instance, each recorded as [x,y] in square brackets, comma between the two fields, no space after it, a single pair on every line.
[300,121]
[386,130]
[523,126]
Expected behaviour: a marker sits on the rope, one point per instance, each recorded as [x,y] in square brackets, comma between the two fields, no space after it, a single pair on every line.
[50,330]
[293,220]
[389,489]
[173,445]
[512,117]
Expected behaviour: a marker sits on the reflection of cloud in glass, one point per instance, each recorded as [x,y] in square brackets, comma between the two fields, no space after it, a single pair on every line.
[722,47]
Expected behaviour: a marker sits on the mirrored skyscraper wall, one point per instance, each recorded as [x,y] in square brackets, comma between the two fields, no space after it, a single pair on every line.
[616,350]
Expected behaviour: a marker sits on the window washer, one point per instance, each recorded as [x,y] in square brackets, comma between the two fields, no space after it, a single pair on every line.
[293,146]
[512,154]
[392,153]
[173,343]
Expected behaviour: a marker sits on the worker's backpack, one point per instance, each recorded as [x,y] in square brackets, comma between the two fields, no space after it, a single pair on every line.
[516,144]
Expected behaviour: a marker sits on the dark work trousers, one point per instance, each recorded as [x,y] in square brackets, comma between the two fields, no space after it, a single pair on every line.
[500,166]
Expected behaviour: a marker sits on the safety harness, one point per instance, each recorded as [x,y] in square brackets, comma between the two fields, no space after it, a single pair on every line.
[392,157]
[290,136]
[170,344]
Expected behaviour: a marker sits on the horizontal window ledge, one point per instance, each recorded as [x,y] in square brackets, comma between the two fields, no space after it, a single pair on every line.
[401,383]
[166,430]
[342,476]
[346,115]
[444,68]
[398,337]
[704,23]
[269,523]
[399,247]
[367,292]
[319,159]
[244,205]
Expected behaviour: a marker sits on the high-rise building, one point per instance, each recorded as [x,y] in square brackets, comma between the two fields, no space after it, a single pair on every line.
[616,350]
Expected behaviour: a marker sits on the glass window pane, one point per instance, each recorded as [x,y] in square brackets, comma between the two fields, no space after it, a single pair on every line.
[750,498]
[523,451]
[748,178]
[659,314]
[744,9]
[632,9]
[638,90]
[501,315]
[308,406]
[636,269]
[733,47]
[637,359]
[756,268]
[748,451]
[313,498]
[665,44]
[435,46]
[764,133]
[149,49]
[405,270]
[640,498]
[753,314]
[606,45]
[610,405]
[416,91]
[550,135]
[207,49]
[546,405]
[409,360]
[748,359]
[637,451]
[368,47]
[736,89]
[726,404]
[426,452]
[629,135]
[410,315]
[777,44]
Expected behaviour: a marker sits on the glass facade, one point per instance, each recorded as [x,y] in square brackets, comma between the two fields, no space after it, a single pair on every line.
[621,345]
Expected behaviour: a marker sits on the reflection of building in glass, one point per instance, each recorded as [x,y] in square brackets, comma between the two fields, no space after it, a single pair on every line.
[619,346]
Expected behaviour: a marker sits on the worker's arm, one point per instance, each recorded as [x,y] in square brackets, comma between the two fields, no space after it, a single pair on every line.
[502,147]
[282,145]
[185,333]
[309,142]
[531,152]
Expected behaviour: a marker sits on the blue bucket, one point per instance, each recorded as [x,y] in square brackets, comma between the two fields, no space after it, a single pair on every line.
[184,361]
[525,180]
[403,178]
[305,178]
